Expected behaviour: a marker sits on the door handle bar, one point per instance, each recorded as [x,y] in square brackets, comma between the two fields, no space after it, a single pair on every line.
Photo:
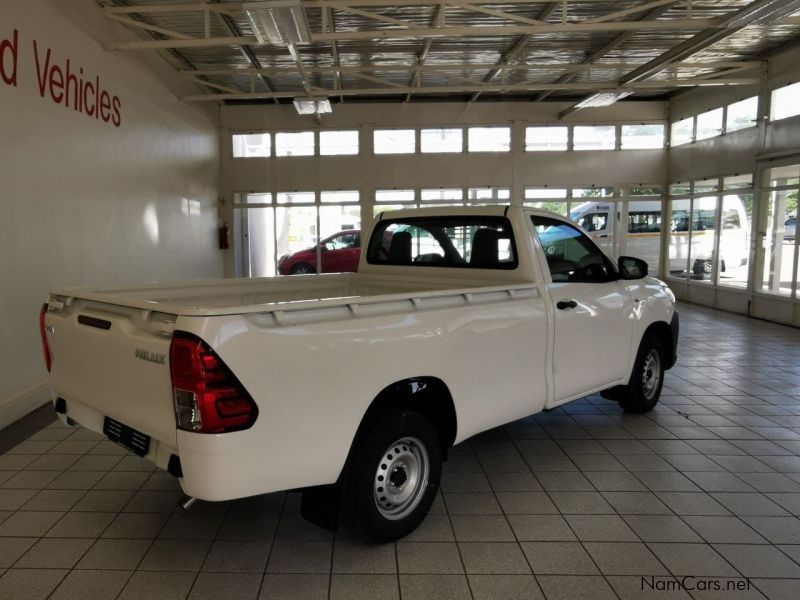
[565,304]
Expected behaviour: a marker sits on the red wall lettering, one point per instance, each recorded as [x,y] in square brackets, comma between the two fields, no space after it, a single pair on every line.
[59,81]
[9,53]
[69,88]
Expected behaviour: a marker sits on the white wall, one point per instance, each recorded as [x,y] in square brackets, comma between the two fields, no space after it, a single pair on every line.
[83,201]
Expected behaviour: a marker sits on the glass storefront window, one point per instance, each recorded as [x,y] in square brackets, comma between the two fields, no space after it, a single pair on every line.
[734,241]
[592,192]
[295,230]
[594,137]
[781,251]
[682,132]
[535,193]
[642,137]
[299,143]
[680,188]
[489,139]
[735,182]
[642,236]
[394,196]
[703,238]
[786,102]
[678,236]
[742,114]
[702,186]
[338,143]
[295,197]
[394,141]
[441,140]
[339,197]
[488,196]
[254,241]
[709,124]
[451,196]
[251,145]
[546,139]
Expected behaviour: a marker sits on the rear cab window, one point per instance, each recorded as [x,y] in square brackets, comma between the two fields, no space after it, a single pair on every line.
[477,242]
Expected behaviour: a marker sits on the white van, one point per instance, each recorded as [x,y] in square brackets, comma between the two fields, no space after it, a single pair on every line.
[643,235]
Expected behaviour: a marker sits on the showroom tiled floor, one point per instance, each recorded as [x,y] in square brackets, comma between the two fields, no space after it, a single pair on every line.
[578,502]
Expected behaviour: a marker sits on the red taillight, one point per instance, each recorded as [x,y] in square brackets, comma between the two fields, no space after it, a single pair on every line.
[48,359]
[208,397]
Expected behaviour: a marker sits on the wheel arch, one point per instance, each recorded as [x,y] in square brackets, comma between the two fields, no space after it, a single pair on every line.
[427,395]
[663,332]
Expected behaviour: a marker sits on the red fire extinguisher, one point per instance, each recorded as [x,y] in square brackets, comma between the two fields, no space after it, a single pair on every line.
[224,237]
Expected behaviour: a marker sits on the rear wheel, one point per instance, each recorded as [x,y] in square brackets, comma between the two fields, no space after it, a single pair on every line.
[644,388]
[391,477]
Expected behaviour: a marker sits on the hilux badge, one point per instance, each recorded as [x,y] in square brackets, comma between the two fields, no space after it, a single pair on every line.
[153,357]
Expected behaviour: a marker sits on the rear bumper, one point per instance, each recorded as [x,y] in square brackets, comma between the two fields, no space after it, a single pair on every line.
[92,419]
[674,326]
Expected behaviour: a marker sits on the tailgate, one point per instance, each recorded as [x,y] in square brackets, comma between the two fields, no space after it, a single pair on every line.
[114,359]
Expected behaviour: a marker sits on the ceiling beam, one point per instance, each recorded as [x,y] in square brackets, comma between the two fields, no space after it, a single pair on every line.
[148,27]
[461,89]
[238,7]
[437,32]
[461,67]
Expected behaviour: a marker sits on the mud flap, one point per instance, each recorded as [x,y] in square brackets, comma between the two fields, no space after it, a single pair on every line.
[320,505]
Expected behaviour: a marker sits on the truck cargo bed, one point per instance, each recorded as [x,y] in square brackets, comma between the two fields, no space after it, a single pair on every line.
[252,295]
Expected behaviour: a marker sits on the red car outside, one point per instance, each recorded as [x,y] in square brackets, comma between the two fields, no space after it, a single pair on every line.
[340,253]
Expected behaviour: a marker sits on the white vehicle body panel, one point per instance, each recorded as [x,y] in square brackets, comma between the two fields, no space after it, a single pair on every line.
[315,351]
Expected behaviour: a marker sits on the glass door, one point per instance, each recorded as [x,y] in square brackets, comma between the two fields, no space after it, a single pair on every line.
[775,290]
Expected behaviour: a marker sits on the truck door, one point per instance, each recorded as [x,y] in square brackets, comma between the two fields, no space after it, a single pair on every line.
[591,307]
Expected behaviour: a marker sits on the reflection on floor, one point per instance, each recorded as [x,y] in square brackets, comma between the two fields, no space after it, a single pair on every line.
[580,501]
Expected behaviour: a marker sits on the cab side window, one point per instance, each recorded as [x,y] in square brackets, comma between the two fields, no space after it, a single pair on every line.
[571,255]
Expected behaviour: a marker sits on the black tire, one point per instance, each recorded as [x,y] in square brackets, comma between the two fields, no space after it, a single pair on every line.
[644,388]
[376,442]
[301,269]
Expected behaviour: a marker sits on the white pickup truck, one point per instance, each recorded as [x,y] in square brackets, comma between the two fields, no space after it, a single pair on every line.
[353,386]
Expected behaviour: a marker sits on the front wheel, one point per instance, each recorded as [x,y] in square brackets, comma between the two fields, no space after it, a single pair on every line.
[644,388]
[302,269]
[391,477]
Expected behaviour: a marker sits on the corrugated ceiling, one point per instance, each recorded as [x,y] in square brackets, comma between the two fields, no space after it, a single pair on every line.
[385,67]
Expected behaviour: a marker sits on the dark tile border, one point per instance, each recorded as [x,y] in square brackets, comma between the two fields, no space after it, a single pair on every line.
[22,429]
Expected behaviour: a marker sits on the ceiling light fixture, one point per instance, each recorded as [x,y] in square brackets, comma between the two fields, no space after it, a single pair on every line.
[283,24]
[312,106]
[606,98]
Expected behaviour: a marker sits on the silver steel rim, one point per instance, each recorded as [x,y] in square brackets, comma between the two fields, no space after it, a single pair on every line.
[401,478]
[302,270]
[651,373]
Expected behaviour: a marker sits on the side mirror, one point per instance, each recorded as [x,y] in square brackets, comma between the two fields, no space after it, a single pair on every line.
[632,268]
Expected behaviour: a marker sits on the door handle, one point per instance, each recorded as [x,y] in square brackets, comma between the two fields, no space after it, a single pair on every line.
[565,304]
